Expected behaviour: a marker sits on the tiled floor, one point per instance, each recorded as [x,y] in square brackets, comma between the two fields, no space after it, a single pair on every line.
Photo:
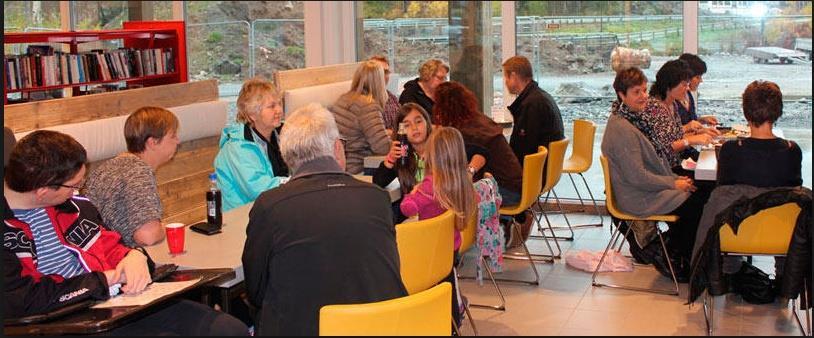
[565,303]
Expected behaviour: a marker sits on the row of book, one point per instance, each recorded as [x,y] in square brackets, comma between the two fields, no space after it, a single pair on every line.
[41,66]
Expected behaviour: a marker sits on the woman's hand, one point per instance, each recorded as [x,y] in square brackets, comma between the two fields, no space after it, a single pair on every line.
[708,119]
[684,183]
[133,272]
[699,139]
[692,127]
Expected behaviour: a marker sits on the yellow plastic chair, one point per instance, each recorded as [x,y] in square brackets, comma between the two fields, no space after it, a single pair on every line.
[532,185]
[426,250]
[556,158]
[426,313]
[767,232]
[580,161]
[610,203]
[468,238]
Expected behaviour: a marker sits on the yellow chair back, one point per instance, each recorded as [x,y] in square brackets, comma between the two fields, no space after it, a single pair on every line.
[556,156]
[583,151]
[427,313]
[532,182]
[610,200]
[767,232]
[425,249]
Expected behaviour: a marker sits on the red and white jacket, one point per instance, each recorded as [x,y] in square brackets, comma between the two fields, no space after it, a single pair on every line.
[80,229]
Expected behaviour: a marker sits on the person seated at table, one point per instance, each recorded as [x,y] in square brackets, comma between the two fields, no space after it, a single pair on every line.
[762,159]
[687,106]
[537,120]
[643,183]
[447,186]
[422,90]
[457,107]
[416,120]
[391,108]
[124,188]
[358,115]
[322,238]
[249,161]
[57,250]
[661,124]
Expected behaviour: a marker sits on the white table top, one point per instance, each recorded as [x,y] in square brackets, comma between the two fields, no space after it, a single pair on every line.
[706,168]
[225,249]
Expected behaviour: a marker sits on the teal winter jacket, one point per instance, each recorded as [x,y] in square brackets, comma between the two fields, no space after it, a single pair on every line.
[243,169]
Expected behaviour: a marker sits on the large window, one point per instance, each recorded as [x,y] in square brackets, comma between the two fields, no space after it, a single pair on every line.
[30,16]
[407,32]
[232,41]
[570,44]
[743,41]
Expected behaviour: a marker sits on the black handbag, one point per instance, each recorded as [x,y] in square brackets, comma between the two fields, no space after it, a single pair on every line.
[752,284]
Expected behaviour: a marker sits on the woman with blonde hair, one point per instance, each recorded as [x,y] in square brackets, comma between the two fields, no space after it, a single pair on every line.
[422,90]
[358,115]
[249,160]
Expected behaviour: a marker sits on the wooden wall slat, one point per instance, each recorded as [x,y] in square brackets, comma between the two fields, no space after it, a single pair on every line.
[41,114]
[188,217]
[314,76]
[192,156]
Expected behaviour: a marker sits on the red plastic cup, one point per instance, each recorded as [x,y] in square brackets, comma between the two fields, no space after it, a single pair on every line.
[175,237]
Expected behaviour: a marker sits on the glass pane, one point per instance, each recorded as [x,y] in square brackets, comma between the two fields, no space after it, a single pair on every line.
[220,44]
[407,32]
[569,44]
[162,10]
[30,16]
[96,15]
[498,108]
[743,41]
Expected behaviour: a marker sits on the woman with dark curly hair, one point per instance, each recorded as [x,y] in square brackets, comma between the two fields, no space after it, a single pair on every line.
[662,125]
[456,106]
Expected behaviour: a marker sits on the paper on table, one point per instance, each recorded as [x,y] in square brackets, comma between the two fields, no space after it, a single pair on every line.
[152,292]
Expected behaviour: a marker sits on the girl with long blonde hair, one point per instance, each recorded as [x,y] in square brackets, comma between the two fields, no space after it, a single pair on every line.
[447,185]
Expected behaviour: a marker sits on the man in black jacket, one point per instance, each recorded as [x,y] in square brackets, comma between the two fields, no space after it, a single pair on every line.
[537,120]
[322,238]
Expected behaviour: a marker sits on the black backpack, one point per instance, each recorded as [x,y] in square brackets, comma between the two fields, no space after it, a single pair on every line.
[752,284]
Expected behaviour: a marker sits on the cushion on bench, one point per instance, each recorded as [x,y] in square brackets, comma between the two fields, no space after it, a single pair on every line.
[104,138]
[325,95]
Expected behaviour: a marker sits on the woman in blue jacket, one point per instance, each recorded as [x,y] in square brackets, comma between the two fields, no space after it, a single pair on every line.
[249,161]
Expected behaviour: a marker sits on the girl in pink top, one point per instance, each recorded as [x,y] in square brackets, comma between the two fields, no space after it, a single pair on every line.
[447,184]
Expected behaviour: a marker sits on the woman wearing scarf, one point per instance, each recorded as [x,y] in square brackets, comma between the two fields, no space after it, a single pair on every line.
[642,179]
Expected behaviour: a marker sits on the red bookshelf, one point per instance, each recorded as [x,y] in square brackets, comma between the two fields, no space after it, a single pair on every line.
[135,34]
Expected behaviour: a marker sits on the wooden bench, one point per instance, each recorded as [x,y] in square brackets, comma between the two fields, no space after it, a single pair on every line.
[97,122]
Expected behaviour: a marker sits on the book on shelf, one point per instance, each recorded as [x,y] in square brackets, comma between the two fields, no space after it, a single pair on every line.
[41,66]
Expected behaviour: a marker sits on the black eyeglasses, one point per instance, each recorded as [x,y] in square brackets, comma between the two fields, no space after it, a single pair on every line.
[344,142]
[74,187]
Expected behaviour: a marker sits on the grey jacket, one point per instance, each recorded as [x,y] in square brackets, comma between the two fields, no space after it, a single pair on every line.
[360,124]
[643,183]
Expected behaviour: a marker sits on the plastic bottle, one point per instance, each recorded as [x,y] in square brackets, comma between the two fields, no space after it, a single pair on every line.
[214,209]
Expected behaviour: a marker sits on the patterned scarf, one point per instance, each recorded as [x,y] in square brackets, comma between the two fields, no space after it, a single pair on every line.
[636,118]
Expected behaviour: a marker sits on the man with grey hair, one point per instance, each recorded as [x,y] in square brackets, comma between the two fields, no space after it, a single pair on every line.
[322,238]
